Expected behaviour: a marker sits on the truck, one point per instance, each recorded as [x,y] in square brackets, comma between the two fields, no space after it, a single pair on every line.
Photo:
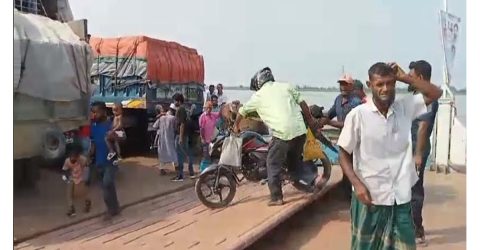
[140,72]
[51,86]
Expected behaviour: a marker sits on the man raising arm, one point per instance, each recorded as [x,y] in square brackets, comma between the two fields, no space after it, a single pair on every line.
[376,156]
[422,128]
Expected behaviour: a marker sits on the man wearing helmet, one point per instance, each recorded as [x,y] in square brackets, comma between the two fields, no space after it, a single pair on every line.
[280,107]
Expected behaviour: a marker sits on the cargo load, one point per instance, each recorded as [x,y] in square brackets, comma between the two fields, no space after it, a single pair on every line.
[140,71]
[151,59]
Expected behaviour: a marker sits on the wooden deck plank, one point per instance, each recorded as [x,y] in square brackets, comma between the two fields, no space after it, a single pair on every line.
[180,221]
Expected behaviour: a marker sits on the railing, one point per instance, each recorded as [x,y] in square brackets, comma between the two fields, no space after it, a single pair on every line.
[30,6]
[449,138]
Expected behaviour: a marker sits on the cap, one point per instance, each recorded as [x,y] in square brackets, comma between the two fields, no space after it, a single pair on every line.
[346,78]
[172,106]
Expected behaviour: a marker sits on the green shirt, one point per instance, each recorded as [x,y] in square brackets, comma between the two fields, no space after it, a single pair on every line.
[277,104]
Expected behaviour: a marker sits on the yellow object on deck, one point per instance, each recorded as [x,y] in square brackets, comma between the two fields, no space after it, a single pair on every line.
[312,149]
[131,104]
[137,104]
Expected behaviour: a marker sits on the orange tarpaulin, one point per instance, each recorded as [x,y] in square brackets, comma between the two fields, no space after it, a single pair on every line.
[167,62]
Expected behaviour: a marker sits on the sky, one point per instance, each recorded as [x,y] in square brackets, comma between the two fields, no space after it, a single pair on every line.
[303,42]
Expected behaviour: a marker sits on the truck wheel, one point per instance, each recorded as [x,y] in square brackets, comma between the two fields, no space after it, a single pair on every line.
[54,144]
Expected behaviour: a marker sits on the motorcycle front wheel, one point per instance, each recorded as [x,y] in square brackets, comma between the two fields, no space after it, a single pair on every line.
[210,190]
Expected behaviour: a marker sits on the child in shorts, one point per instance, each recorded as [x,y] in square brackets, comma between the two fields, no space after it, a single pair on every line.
[115,135]
[75,167]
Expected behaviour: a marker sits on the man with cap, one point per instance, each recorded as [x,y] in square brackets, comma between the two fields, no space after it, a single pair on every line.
[165,126]
[344,102]
[172,109]
[358,91]
[342,105]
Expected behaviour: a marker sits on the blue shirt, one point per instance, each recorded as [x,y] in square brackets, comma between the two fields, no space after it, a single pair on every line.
[98,133]
[341,108]
[427,117]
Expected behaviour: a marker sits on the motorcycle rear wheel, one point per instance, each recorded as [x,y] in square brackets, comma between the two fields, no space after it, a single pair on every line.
[209,181]
[327,171]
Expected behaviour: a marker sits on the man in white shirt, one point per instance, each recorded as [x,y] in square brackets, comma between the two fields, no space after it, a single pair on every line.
[376,156]
[208,93]
[222,98]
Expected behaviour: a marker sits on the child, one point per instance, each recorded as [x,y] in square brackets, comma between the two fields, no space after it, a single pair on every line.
[76,166]
[115,134]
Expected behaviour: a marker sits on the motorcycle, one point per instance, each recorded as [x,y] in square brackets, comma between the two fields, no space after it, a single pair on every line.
[215,147]
[212,183]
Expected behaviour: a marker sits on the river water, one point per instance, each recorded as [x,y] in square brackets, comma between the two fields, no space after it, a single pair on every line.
[326,99]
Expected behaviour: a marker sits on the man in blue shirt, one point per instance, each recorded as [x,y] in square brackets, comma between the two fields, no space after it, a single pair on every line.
[100,126]
[422,128]
[344,102]
[342,105]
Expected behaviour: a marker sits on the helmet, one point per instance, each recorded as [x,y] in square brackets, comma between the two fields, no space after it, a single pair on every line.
[260,78]
[316,111]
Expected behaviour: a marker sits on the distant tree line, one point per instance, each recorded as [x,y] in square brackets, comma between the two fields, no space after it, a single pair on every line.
[336,89]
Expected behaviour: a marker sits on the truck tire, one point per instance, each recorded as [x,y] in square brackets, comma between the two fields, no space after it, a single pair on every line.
[54,144]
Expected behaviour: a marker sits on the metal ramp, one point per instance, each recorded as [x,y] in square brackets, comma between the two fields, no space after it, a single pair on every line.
[180,221]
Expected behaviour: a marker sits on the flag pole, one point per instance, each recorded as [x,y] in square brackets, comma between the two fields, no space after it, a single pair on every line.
[444,119]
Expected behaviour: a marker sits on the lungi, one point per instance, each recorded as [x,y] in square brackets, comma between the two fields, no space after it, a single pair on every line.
[379,227]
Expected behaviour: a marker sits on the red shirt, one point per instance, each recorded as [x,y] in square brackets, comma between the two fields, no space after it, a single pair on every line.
[84,131]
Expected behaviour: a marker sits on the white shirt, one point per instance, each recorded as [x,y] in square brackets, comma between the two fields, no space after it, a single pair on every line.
[222,98]
[382,148]
[206,95]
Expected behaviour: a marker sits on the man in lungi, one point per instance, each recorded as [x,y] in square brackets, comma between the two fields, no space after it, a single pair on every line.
[376,156]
